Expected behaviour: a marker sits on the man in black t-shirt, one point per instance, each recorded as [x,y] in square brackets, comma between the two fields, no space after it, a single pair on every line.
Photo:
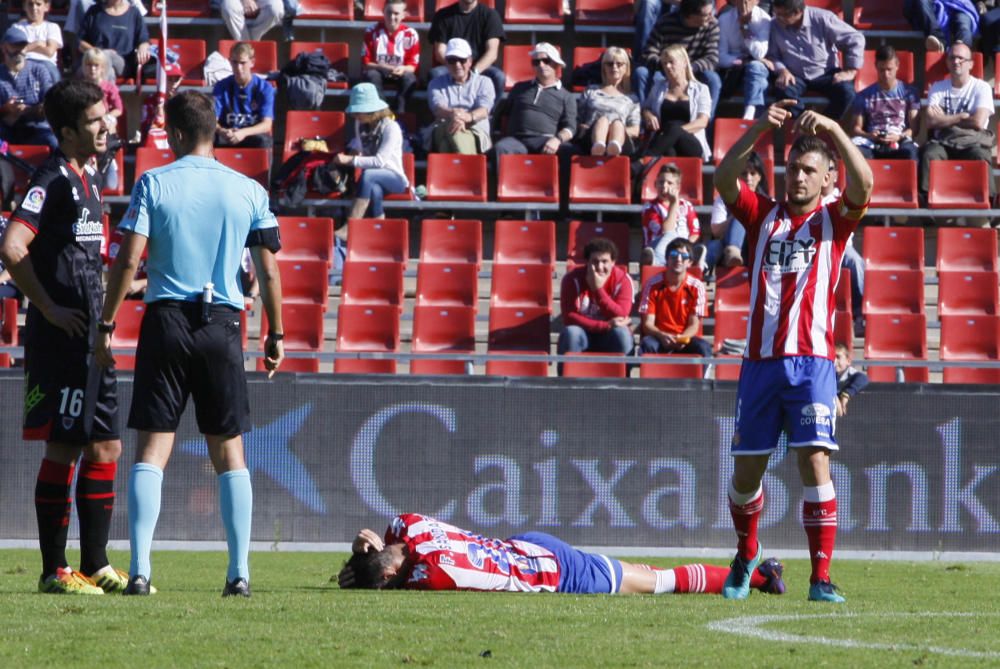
[481,27]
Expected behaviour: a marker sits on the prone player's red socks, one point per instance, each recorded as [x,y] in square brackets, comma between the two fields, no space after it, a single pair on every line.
[707,578]
[819,519]
[745,519]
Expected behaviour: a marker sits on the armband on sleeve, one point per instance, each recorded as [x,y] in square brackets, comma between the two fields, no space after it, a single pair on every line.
[266,237]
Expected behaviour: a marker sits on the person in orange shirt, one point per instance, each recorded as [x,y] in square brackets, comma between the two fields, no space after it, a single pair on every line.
[672,306]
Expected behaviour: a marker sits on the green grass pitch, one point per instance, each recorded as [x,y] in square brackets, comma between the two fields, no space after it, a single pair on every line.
[898,614]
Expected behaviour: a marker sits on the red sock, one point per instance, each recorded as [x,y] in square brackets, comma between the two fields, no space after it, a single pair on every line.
[820,522]
[95,502]
[745,518]
[706,578]
[52,509]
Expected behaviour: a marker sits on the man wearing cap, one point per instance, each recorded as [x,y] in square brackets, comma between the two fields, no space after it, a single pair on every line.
[244,103]
[23,84]
[461,102]
[481,27]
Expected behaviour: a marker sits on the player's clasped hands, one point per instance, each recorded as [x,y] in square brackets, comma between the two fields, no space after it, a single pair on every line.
[813,123]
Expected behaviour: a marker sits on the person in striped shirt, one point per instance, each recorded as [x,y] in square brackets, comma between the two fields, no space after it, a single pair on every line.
[788,381]
[423,553]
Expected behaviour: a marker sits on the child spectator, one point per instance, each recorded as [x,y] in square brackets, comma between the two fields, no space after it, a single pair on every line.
[95,68]
[850,381]
[391,54]
[667,217]
[44,37]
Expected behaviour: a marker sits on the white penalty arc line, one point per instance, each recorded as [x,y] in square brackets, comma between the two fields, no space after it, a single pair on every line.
[751,626]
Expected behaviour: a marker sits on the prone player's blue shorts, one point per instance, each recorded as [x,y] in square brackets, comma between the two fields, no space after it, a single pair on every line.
[794,394]
[579,572]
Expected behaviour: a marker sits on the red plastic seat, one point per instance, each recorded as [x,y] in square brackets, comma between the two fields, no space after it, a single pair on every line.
[451,241]
[517,64]
[528,178]
[519,329]
[835,6]
[336,52]
[603,12]
[438,4]
[8,329]
[265,54]
[600,180]
[894,248]
[443,330]
[304,281]
[728,130]
[959,184]
[305,238]
[533,11]
[868,75]
[936,68]
[498,364]
[187,8]
[691,178]
[378,239]
[880,15]
[581,232]
[896,337]
[299,125]
[974,338]
[732,289]
[374,10]
[191,55]
[895,184]
[890,291]
[253,163]
[447,285]
[335,10]
[303,326]
[34,155]
[968,294]
[584,368]
[372,283]
[521,286]
[454,176]
[128,323]
[967,250]
[728,325]
[524,242]
[368,328]
[651,370]
[146,158]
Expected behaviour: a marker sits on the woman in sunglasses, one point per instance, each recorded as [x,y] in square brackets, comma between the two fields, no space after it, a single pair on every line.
[609,115]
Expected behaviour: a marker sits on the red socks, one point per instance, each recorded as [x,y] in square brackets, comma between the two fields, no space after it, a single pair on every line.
[707,578]
[746,510]
[95,502]
[52,509]
[820,522]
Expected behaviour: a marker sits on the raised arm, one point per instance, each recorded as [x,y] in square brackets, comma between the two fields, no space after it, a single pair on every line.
[860,180]
[728,172]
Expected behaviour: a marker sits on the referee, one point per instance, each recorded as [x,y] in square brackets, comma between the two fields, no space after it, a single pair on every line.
[196,215]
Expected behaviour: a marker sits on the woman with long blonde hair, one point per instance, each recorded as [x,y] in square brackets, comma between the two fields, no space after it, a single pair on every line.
[609,114]
[678,108]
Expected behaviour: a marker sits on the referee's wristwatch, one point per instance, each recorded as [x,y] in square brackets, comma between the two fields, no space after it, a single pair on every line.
[106,328]
[275,336]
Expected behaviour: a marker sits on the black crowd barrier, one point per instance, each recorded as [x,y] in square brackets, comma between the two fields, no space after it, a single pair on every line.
[596,463]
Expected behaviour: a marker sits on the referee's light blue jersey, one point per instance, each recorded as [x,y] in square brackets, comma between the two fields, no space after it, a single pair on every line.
[196,214]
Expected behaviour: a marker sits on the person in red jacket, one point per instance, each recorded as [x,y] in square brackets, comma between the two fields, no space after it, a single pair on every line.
[596,301]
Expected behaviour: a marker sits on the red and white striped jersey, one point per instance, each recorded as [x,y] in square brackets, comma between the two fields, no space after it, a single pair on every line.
[794,273]
[445,557]
[656,212]
[400,48]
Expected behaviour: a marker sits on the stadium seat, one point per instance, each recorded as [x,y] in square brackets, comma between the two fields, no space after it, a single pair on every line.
[367,282]
[584,368]
[8,329]
[414,10]
[454,176]
[896,337]
[692,170]
[299,125]
[367,328]
[34,155]
[332,10]
[732,289]
[895,184]
[336,52]
[843,328]
[253,163]
[524,242]
[438,4]
[517,63]
[303,325]
[728,130]
[884,15]
[451,241]
[868,75]
[265,54]
[305,238]
[894,248]
[533,11]
[600,180]
[128,322]
[651,370]
[409,168]
[936,67]
[959,184]
[728,325]
[191,58]
[602,12]
[443,330]
[521,286]
[892,291]
[447,285]
[378,239]
[304,281]
[581,232]
[528,178]
[499,364]
[185,8]
[519,329]
[968,293]
[835,6]
[973,338]
[146,158]
[966,250]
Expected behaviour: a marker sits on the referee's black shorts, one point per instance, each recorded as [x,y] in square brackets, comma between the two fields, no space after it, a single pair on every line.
[177,356]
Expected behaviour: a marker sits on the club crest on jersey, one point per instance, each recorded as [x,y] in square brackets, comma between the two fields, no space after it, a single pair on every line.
[33,200]
[785,256]
[67,423]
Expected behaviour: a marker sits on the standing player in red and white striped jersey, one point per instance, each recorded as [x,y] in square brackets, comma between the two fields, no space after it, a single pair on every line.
[422,553]
[787,381]
[391,54]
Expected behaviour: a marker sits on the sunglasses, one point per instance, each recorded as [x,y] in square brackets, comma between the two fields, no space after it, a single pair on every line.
[540,61]
[677,254]
[454,59]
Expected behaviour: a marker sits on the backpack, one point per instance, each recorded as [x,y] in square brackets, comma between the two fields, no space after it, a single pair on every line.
[304,80]
[304,172]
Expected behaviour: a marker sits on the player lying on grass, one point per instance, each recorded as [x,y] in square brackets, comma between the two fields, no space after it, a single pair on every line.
[423,553]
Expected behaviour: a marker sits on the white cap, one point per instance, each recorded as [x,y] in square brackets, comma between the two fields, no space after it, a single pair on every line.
[458,48]
[549,51]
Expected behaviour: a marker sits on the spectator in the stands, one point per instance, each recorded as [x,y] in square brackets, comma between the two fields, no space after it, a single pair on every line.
[480,26]
[390,54]
[694,27]
[244,103]
[377,150]
[78,9]
[23,84]
[251,19]
[609,120]
[96,68]
[729,243]
[646,13]
[803,47]
[44,37]
[744,31]
[461,102]
[672,306]
[989,27]
[677,110]
[596,300]
[116,26]
[884,115]
[957,115]
[667,217]
[851,260]
[850,381]
[943,23]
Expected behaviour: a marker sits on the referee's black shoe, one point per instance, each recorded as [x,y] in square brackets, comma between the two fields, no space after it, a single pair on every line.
[238,587]
[137,585]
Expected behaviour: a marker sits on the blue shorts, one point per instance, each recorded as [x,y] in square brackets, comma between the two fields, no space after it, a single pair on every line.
[580,573]
[793,394]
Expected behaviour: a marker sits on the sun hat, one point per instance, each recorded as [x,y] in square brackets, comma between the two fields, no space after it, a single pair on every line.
[365,100]
[549,51]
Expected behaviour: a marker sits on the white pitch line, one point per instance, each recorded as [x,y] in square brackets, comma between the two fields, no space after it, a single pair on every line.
[750,626]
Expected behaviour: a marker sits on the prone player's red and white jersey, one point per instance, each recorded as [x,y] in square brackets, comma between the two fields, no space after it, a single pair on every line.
[794,273]
[400,48]
[445,557]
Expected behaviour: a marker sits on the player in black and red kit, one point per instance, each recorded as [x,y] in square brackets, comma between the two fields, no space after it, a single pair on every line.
[52,248]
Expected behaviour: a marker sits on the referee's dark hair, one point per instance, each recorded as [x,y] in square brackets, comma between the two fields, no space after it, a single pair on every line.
[192,113]
[67,101]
